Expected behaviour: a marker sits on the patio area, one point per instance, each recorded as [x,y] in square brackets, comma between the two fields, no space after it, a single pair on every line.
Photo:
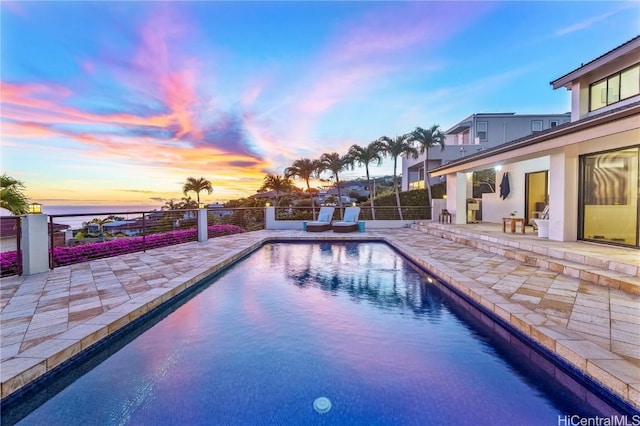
[578,300]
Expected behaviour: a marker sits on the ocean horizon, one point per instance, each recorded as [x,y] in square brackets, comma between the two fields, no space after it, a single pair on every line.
[87,212]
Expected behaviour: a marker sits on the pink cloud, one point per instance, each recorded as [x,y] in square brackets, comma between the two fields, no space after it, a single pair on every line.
[395,28]
[360,57]
[45,104]
[14,6]
[38,112]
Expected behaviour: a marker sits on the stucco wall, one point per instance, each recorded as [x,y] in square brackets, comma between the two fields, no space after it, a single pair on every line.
[495,208]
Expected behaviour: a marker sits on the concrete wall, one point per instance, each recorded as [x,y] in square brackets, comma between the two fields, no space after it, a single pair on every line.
[272,224]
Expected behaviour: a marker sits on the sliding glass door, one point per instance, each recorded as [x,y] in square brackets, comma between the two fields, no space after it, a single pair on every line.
[609,196]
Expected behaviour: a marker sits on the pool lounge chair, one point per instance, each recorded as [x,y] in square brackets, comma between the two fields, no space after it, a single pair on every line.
[324,220]
[349,222]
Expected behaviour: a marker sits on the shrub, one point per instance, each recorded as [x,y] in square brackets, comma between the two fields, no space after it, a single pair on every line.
[85,252]
[8,263]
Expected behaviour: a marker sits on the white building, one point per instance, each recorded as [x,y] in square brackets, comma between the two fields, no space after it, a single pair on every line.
[586,170]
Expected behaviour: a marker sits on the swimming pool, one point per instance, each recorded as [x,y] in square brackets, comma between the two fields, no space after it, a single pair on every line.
[352,322]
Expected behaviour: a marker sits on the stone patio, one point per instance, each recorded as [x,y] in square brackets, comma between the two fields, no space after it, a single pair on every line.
[579,300]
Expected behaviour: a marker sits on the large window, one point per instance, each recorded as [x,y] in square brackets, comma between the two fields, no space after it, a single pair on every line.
[609,196]
[615,88]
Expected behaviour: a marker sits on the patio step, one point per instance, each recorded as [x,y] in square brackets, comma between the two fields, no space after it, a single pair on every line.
[585,267]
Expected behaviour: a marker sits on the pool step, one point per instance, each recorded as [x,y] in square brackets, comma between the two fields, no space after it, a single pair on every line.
[585,267]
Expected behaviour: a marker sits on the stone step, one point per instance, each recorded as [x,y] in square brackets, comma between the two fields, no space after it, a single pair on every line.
[587,268]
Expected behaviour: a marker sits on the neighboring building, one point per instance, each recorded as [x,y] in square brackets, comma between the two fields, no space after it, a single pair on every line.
[473,134]
[218,210]
[324,194]
[132,227]
[9,235]
[585,170]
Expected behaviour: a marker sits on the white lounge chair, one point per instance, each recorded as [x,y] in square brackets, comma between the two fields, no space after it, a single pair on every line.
[541,223]
[544,214]
[350,221]
[324,220]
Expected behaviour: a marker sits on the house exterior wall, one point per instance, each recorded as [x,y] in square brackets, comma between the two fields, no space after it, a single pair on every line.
[561,157]
[495,208]
[501,128]
[612,128]
[563,194]
[580,87]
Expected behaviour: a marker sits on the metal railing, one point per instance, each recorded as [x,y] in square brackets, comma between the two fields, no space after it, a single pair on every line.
[94,236]
[129,232]
[11,255]
[366,213]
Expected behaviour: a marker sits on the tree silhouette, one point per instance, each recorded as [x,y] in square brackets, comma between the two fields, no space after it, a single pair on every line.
[197,185]
[428,138]
[363,156]
[395,148]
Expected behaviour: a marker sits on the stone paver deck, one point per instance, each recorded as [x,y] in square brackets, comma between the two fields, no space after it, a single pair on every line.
[48,318]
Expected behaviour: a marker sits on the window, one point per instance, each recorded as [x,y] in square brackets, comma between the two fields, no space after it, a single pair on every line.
[553,123]
[619,86]
[598,95]
[536,125]
[481,130]
[630,82]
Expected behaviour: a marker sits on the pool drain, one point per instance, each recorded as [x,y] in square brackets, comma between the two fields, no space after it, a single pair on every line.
[322,405]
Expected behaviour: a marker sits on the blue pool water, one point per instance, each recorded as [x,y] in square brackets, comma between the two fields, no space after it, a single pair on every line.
[355,323]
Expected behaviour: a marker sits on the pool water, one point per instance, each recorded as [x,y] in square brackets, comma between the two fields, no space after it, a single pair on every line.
[354,323]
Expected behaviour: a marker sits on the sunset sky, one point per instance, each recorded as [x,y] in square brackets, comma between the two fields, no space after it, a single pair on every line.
[120,102]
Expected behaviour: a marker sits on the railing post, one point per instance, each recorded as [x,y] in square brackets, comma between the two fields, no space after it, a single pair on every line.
[52,261]
[269,217]
[19,256]
[35,244]
[202,225]
[144,233]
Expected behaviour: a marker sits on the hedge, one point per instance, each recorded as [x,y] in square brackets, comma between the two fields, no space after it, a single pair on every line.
[82,253]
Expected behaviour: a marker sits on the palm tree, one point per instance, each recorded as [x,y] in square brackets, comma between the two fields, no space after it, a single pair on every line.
[12,196]
[188,203]
[305,168]
[427,138]
[336,163]
[278,184]
[197,185]
[100,222]
[364,156]
[171,205]
[395,148]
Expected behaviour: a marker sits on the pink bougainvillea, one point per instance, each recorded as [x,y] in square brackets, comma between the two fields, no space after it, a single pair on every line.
[85,252]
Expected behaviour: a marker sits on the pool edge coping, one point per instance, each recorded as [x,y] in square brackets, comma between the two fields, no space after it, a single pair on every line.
[565,345]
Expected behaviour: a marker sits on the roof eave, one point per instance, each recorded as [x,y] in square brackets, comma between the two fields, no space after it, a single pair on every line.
[543,136]
[623,49]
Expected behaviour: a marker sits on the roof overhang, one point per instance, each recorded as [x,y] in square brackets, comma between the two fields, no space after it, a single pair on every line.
[459,128]
[511,149]
[616,53]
